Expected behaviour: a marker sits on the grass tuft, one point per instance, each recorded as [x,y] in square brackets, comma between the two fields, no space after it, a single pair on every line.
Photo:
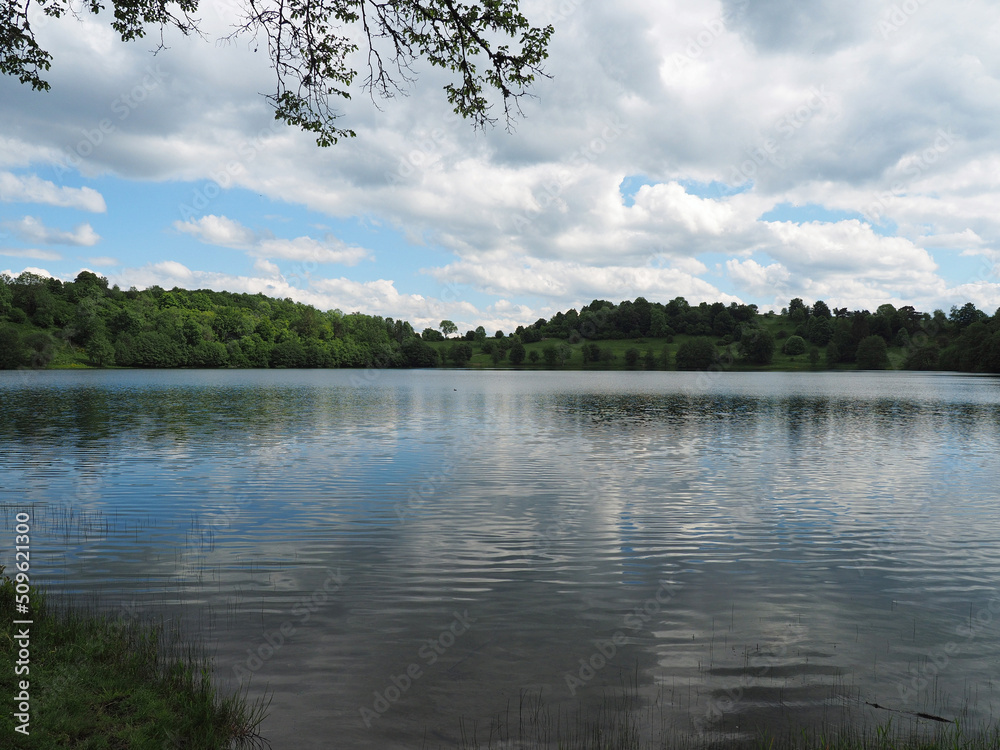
[98,683]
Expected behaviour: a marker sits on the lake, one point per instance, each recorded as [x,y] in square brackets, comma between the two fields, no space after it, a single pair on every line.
[402,557]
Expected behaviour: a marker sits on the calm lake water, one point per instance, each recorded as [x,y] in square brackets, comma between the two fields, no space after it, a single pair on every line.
[397,555]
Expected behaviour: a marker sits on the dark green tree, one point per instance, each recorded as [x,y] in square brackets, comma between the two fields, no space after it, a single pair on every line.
[872,354]
[832,354]
[723,324]
[794,345]
[631,357]
[13,352]
[821,310]
[290,353]
[41,348]
[966,315]
[696,354]
[590,352]
[757,346]
[448,328]
[6,295]
[797,310]
[460,354]
[100,351]
[550,355]
[658,326]
[819,330]
[923,358]
[210,354]
[418,353]
[517,353]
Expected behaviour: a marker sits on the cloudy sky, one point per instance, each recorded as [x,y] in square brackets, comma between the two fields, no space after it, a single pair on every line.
[748,150]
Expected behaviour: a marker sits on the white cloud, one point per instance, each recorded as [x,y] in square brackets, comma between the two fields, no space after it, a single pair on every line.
[852,247]
[17,252]
[220,230]
[104,260]
[173,270]
[266,267]
[307,249]
[31,229]
[563,280]
[758,280]
[33,189]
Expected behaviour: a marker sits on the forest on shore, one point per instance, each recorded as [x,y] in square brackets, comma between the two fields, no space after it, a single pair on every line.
[45,322]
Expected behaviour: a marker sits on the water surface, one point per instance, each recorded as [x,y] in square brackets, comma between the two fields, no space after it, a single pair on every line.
[394,554]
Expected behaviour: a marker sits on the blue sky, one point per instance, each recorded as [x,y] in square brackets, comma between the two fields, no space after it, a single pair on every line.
[728,151]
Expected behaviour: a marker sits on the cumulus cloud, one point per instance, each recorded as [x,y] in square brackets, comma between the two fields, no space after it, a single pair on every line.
[220,230]
[331,250]
[33,189]
[30,253]
[31,229]
[104,260]
[758,280]
[550,279]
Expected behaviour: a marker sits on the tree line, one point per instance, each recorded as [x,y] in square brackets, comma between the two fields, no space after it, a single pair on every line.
[39,317]
[966,339]
[42,317]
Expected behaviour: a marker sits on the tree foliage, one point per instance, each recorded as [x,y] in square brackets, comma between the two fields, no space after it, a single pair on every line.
[757,346]
[872,354]
[794,345]
[696,354]
[487,46]
[44,318]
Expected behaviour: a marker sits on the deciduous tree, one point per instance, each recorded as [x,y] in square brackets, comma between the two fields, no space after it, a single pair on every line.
[872,354]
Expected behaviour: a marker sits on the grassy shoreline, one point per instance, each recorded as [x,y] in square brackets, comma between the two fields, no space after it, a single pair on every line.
[97,682]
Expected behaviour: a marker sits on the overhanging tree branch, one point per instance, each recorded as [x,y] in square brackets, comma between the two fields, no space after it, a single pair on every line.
[311,49]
